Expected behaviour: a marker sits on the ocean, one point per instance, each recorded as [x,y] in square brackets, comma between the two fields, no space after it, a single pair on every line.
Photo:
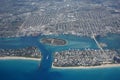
[41,70]
[29,70]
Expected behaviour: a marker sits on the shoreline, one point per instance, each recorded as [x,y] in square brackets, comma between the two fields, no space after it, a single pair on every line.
[66,42]
[17,58]
[91,67]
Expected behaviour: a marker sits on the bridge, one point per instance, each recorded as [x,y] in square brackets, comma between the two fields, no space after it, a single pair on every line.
[93,36]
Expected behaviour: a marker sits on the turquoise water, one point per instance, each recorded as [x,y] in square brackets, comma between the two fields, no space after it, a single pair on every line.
[29,70]
[112,41]
[36,70]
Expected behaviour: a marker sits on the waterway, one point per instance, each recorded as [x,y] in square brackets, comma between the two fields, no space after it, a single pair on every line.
[30,70]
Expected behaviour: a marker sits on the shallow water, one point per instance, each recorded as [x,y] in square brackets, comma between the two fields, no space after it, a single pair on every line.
[34,70]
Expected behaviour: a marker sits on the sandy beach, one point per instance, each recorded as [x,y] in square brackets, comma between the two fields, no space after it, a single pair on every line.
[91,67]
[22,58]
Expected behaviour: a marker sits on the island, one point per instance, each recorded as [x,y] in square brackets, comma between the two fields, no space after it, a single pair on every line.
[86,59]
[30,53]
[103,44]
[53,41]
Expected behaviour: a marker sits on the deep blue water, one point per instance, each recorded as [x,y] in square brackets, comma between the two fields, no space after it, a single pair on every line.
[36,70]
[29,70]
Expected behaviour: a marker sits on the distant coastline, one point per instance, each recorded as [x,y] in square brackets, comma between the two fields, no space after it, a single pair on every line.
[88,67]
[22,58]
